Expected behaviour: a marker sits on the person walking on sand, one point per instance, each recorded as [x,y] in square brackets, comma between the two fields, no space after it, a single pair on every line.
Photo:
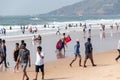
[118,51]
[88,52]
[24,58]
[39,64]
[76,52]
[3,52]
[15,56]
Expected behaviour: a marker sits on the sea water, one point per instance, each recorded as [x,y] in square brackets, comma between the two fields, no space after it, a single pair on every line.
[15,35]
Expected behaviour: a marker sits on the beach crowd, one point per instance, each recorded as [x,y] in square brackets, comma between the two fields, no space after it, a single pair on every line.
[22,58]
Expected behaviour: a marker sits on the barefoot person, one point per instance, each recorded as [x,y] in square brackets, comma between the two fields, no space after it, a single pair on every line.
[63,43]
[59,48]
[118,51]
[39,64]
[15,56]
[3,52]
[77,53]
[24,58]
[88,52]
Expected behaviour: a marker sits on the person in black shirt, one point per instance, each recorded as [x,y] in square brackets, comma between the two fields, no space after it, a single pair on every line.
[15,55]
[3,52]
[88,52]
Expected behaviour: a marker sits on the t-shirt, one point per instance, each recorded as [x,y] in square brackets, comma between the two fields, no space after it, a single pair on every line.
[24,55]
[1,49]
[4,49]
[118,45]
[76,48]
[88,47]
[39,60]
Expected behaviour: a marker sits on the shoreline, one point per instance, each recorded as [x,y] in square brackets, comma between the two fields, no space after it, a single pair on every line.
[49,43]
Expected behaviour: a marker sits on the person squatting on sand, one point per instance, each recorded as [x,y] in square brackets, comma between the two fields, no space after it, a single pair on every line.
[76,52]
[39,64]
[15,56]
[88,52]
[118,48]
[24,58]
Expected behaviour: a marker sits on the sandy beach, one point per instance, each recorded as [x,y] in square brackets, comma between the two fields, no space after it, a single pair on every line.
[104,56]
[107,69]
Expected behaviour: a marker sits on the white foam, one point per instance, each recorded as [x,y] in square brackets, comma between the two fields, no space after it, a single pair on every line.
[51,28]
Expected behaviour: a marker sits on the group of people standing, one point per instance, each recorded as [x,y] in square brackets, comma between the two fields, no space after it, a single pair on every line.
[22,55]
[22,58]
[3,31]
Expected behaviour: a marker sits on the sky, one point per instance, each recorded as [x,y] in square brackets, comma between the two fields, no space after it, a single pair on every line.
[31,7]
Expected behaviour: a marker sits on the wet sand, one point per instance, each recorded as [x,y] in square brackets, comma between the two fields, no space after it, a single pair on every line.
[49,44]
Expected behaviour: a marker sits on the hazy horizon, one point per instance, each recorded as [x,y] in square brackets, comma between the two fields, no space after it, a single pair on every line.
[31,7]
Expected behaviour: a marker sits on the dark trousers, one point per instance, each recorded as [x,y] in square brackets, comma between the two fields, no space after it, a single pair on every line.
[4,60]
[118,55]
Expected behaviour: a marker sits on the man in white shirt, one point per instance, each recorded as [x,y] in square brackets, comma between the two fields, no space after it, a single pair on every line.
[118,51]
[39,64]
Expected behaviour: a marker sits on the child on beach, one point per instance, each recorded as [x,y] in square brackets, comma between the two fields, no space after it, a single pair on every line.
[39,64]
[76,52]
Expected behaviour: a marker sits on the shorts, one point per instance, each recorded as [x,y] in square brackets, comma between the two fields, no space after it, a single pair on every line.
[37,67]
[24,66]
[89,56]
[77,54]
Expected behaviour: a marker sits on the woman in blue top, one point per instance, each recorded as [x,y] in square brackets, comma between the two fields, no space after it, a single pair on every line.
[77,53]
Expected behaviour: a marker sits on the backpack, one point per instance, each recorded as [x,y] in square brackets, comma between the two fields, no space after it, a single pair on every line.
[59,44]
